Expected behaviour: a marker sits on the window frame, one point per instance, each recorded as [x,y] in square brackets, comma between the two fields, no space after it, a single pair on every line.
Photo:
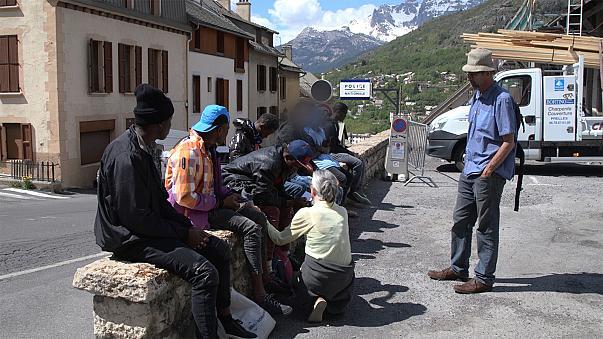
[261,78]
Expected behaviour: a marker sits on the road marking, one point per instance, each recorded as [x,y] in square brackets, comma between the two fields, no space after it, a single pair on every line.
[16,196]
[37,194]
[534,179]
[62,263]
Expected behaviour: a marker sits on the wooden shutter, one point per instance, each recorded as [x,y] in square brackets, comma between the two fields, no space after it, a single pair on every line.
[138,66]
[8,2]
[108,67]
[219,89]
[13,63]
[152,67]
[121,56]
[239,95]
[3,3]
[272,80]
[93,66]
[225,94]
[1,143]
[164,70]
[26,144]
[4,65]
[196,93]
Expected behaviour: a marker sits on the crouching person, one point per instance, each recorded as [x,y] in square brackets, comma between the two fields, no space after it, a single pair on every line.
[327,274]
[194,183]
[136,223]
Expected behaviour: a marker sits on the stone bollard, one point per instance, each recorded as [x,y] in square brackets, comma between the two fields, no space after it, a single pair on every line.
[137,300]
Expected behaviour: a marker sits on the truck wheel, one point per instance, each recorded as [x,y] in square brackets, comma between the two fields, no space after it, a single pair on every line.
[458,156]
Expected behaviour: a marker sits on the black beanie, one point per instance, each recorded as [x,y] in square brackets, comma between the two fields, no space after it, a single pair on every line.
[152,106]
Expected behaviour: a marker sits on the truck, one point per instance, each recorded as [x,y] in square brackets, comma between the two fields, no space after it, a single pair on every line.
[560,124]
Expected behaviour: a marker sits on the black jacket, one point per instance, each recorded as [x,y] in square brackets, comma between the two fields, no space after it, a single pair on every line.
[244,140]
[261,174]
[132,201]
[331,128]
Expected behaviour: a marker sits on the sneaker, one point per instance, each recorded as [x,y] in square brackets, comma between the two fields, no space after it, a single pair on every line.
[319,308]
[272,306]
[234,328]
[359,198]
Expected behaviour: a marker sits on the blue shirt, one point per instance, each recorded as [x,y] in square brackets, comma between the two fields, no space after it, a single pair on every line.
[491,116]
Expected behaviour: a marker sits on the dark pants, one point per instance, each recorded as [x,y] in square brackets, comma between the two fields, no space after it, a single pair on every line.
[250,225]
[207,270]
[477,200]
[279,218]
[356,167]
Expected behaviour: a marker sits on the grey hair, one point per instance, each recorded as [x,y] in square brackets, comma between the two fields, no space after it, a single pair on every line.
[326,185]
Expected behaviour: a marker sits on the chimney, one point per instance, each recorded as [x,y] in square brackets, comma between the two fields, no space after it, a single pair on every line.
[288,50]
[244,9]
[225,4]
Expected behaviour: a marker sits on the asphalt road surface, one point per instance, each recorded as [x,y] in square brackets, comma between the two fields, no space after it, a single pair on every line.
[549,276]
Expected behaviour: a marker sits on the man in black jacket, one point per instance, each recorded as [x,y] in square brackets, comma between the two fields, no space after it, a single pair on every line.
[249,135]
[260,176]
[135,221]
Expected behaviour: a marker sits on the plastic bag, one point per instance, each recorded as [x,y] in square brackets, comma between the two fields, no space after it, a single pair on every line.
[254,318]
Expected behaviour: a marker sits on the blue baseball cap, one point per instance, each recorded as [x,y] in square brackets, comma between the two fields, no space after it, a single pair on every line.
[209,116]
[302,152]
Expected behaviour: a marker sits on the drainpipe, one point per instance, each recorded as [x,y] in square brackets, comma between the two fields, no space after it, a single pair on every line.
[186,48]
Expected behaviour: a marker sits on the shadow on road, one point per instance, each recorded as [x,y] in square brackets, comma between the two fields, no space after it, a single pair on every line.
[575,283]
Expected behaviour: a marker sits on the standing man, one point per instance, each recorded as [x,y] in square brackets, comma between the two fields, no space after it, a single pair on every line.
[249,135]
[489,162]
[136,223]
[194,182]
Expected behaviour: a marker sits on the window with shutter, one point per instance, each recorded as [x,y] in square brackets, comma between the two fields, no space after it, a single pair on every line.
[240,55]
[128,72]
[108,64]
[164,70]
[196,94]
[4,3]
[209,84]
[138,65]
[239,95]
[152,67]
[93,66]
[261,80]
[283,88]
[220,42]
[9,64]
[273,77]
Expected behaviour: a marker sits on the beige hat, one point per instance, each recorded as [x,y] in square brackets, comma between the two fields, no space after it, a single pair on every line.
[479,60]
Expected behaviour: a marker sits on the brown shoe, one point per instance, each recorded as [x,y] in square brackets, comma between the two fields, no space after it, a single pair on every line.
[472,286]
[446,274]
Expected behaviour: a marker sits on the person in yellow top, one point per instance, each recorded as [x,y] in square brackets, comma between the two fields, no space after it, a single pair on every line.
[327,274]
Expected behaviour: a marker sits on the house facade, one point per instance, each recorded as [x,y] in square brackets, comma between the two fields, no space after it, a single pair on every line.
[289,82]
[77,63]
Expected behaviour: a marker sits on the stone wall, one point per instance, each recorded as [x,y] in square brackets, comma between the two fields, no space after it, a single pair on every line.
[142,301]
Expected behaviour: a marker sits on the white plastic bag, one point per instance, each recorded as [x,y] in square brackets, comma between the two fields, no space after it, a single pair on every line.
[254,318]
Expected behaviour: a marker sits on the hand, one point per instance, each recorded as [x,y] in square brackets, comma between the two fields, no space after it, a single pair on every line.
[487,172]
[232,202]
[197,238]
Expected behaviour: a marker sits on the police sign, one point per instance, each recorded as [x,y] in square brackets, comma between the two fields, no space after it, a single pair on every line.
[355,89]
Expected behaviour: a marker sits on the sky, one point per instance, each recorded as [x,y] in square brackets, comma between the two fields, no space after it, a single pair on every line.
[289,17]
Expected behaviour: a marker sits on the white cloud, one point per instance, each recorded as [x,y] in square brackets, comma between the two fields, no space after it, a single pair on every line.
[262,21]
[290,17]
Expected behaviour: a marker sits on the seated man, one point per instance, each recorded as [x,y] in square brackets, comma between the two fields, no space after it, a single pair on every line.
[259,176]
[136,223]
[249,135]
[194,183]
[327,273]
[336,135]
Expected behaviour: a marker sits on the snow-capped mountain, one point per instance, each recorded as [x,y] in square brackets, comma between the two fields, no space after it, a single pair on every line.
[388,22]
[318,51]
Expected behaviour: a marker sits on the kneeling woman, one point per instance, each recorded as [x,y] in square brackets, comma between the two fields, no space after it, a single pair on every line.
[327,274]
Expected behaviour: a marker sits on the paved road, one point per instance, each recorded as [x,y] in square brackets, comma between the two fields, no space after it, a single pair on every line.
[550,273]
[38,231]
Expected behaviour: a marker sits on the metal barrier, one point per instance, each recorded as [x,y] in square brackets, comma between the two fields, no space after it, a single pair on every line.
[38,171]
[416,144]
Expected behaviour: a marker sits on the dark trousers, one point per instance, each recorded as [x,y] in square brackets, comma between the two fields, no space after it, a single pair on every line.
[250,225]
[356,167]
[279,218]
[478,200]
[207,270]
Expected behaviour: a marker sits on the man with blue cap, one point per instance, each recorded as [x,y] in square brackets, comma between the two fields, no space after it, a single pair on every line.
[194,183]
[135,222]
